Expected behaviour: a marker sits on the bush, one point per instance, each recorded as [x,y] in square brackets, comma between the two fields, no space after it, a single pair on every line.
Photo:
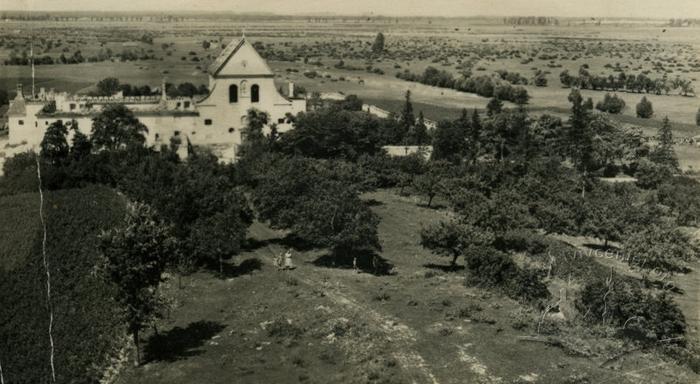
[611,104]
[492,269]
[624,305]
[644,109]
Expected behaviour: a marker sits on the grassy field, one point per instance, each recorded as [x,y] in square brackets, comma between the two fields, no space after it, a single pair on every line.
[320,324]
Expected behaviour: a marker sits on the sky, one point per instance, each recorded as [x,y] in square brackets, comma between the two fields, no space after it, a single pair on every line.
[570,8]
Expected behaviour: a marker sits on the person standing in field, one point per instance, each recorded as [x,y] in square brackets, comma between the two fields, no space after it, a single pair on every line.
[288,264]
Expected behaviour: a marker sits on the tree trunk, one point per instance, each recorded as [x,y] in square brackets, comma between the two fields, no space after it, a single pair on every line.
[454,261]
[430,200]
[605,244]
[221,266]
[136,345]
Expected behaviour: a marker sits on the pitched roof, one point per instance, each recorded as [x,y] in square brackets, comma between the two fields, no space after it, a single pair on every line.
[17,108]
[240,58]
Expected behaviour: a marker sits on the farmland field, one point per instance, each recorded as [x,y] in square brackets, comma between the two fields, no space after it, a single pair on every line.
[335,50]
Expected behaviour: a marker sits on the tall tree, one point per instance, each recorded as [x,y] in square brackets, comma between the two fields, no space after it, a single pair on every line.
[475,132]
[134,257]
[252,135]
[420,135]
[578,137]
[407,119]
[378,45]
[663,153]
[54,146]
[644,109]
[80,144]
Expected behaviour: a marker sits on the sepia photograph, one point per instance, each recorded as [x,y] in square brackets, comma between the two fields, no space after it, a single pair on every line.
[352,192]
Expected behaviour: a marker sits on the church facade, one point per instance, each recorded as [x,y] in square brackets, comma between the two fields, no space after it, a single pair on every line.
[239,79]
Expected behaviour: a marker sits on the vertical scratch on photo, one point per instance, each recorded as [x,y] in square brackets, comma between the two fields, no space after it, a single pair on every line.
[46,268]
[2,378]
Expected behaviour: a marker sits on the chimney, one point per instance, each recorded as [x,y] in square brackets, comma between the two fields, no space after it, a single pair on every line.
[163,95]
[291,89]
[20,94]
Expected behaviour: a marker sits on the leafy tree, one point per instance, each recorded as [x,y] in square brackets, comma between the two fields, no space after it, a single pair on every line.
[651,174]
[108,86]
[378,45]
[80,144]
[453,238]
[54,146]
[644,109]
[253,138]
[660,248]
[611,104]
[474,136]
[588,104]
[664,153]
[449,142]
[431,182]
[298,195]
[578,138]
[116,127]
[338,134]
[134,257]
[407,119]
[419,134]
[494,107]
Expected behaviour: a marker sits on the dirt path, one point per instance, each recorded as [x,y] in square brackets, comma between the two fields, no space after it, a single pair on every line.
[401,336]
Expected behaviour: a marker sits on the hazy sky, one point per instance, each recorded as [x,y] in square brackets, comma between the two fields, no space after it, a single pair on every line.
[618,8]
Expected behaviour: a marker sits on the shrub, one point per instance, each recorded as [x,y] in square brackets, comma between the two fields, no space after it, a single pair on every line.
[623,305]
[490,268]
[611,104]
[644,109]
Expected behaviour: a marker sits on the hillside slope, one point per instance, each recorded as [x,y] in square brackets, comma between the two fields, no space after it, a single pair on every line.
[85,324]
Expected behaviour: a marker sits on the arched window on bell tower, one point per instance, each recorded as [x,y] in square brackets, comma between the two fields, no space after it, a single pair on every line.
[254,93]
[233,93]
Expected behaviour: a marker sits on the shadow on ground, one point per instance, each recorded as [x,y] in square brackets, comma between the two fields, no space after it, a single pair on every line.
[289,241]
[180,343]
[245,267]
[444,268]
[367,261]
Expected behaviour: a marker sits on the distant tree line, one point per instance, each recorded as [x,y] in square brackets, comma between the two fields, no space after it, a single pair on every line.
[530,20]
[624,82]
[483,85]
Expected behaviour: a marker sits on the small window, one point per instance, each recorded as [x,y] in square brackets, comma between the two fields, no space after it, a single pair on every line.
[176,133]
[233,93]
[255,93]
[194,132]
[207,121]
[187,104]
[20,122]
[36,123]
[157,136]
[72,106]
[230,130]
[177,105]
[46,123]
[280,120]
